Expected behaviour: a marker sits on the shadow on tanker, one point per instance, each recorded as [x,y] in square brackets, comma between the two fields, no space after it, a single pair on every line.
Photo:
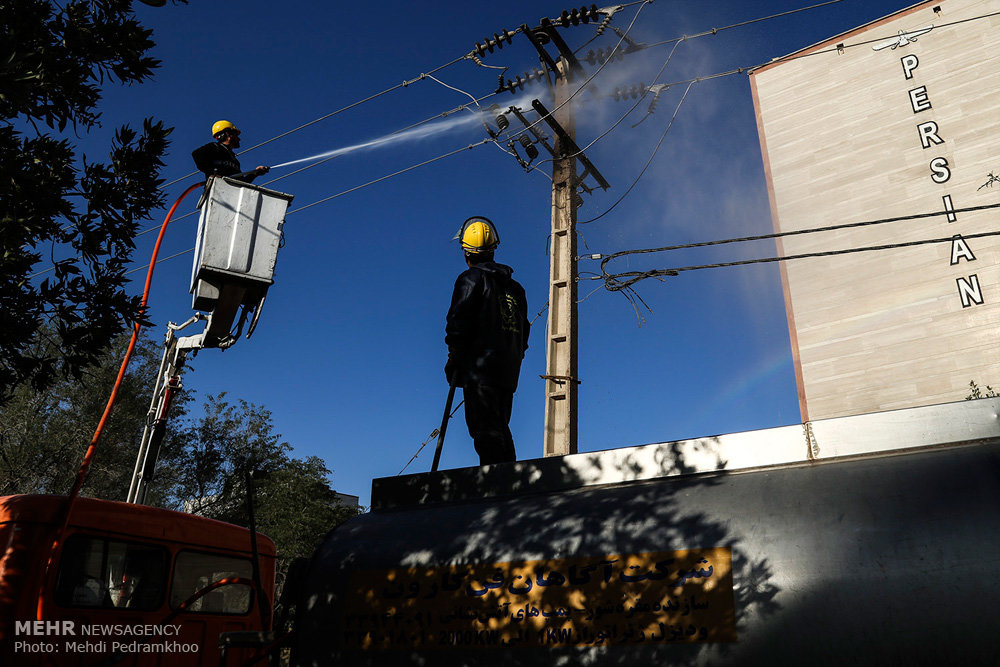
[608,558]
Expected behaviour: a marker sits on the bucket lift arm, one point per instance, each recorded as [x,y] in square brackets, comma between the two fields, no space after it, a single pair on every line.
[239,233]
[168,386]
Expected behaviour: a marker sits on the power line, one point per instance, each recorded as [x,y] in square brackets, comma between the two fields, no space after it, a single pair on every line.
[160,261]
[715,31]
[614,282]
[594,74]
[739,70]
[430,437]
[624,115]
[395,173]
[403,84]
[475,101]
[426,120]
[429,74]
[795,232]
[839,47]
[350,190]
[649,161]
[676,42]
[443,114]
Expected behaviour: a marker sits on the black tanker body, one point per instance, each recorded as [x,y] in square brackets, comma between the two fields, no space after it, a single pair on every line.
[865,540]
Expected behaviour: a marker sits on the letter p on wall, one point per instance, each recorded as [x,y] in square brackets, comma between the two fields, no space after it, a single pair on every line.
[910,62]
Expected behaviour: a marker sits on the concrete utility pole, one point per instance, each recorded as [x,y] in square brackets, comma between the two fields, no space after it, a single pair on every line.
[561,379]
[561,354]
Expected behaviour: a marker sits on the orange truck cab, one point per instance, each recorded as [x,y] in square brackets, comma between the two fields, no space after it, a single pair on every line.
[116,593]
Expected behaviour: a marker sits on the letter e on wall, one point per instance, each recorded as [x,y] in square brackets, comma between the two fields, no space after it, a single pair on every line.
[919,100]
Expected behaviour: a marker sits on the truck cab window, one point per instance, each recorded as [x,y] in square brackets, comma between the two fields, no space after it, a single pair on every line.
[193,571]
[103,573]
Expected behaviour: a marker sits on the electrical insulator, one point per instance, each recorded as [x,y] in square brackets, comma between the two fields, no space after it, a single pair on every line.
[497,42]
[514,86]
[633,91]
[657,91]
[499,117]
[529,148]
[604,25]
[609,13]
[576,16]
[520,81]
[602,55]
[511,147]
[579,199]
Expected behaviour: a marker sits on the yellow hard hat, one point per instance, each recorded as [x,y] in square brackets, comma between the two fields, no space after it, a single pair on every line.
[221,126]
[478,234]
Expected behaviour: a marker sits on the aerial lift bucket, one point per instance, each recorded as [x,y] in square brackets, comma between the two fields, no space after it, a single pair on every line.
[239,233]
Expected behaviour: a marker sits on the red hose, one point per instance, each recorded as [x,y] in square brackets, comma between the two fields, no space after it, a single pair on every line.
[81,475]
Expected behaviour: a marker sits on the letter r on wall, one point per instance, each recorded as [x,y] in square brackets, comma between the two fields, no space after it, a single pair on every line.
[929,134]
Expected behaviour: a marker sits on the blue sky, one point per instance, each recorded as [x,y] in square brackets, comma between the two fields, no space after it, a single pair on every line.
[349,352]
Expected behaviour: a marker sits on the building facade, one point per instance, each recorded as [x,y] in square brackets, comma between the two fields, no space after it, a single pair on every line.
[895,119]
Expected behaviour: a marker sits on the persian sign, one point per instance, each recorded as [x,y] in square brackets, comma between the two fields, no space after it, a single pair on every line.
[894,124]
[658,597]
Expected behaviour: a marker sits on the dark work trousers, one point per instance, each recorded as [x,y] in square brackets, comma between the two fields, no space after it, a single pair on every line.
[487,414]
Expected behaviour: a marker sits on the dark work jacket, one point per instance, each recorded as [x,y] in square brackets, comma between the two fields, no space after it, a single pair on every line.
[487,327]
[214,159]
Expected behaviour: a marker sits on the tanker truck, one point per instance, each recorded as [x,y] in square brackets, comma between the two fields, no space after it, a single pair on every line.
[857,540]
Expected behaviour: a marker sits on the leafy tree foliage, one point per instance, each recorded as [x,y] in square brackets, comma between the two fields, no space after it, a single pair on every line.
[203,462]
[216,453]
[296,507]
[294,504]
[79,214]
[43,435]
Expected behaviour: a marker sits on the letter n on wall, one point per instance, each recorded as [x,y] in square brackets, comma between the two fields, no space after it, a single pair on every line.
[969,291]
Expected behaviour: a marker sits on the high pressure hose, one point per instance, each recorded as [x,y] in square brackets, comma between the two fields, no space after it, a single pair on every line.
[81,475]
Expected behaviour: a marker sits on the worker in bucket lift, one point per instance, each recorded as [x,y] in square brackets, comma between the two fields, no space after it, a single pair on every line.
[218,158]
[487,334]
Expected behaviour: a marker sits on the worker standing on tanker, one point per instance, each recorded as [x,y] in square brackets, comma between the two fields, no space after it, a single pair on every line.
[487,334]
[218,158]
